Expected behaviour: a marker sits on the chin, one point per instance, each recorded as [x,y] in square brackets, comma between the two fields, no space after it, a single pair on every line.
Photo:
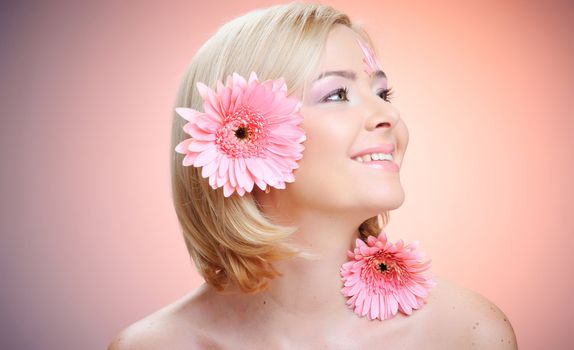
[384,199]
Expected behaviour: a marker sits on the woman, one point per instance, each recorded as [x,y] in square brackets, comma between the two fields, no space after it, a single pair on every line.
[282,191]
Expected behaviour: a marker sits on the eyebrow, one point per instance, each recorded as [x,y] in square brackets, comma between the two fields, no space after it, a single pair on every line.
[348,75]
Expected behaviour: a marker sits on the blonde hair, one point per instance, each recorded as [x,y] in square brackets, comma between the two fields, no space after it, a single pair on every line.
[229,239]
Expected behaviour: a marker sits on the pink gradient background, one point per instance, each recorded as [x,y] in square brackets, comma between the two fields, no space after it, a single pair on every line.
[89,238]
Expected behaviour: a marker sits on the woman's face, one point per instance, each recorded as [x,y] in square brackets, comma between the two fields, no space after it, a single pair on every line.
[340,125]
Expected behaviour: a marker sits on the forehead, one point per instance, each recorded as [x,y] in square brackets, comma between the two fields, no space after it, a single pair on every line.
[342,50]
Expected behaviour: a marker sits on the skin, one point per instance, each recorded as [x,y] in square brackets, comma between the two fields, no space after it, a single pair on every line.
[304,309]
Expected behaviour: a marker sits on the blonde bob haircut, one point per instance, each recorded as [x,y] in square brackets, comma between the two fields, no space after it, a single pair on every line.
[229,239]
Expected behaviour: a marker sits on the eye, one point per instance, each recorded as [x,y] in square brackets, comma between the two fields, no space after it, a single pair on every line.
[387,94]
[340,93]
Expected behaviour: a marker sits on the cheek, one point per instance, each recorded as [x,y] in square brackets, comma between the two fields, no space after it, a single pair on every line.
[402,134]
[326,154]
[327,140]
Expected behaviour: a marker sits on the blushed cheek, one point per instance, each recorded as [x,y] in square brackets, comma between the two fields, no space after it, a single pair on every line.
[403,133]
[402,138]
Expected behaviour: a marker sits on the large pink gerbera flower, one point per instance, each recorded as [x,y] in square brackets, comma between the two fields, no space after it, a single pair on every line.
[383,278]
[248,134]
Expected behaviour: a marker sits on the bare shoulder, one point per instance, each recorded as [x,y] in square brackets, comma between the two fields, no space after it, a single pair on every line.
[472,319]
[172,327]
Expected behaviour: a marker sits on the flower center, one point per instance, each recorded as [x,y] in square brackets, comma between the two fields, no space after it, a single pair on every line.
[243,134]
[384,266]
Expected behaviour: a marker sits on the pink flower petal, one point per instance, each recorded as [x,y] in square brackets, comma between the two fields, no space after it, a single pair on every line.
[182,146]
[212,105]
[208,124]
[250,183]
[221,180]
[205,157]
[226,99]
[268,174]
[265,103]
[223,166]
[203,90]
[187,113]
[360,301]
[228,190]
[248,180]
[375,302]
[239,81]
[189,158]
[252,77]
[219,88]
[279,85]
[232,178]
[289,177]
[366,304]
[418,290]
[194,131]
[394,304]
[239,175]
[209,169]
[260,183]
[369,58]
[200,146]
[254,167]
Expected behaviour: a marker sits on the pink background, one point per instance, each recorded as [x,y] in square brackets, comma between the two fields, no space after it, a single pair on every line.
[89,237]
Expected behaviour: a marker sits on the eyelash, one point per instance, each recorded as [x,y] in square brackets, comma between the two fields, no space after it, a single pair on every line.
[388,94]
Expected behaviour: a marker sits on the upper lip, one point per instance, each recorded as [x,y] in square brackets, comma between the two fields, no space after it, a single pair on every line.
[387,148]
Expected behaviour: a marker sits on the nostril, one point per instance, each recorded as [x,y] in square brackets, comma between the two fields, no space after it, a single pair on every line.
[382,124]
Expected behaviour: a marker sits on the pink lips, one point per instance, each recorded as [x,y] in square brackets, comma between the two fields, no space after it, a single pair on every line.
[383,164]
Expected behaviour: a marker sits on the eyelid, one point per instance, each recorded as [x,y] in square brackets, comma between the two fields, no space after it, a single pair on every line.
[333,92]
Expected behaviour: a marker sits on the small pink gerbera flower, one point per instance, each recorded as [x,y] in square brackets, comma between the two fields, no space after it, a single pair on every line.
[248,134]
[383,278]
[370,59]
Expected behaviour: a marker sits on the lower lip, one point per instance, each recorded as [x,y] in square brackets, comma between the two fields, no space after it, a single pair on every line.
[383,164]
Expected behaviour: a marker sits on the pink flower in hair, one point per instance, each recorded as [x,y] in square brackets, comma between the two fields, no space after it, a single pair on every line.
[370,59]
[247,135]
[383,278]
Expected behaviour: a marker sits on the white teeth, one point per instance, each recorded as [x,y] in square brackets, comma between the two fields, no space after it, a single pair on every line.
[373,156]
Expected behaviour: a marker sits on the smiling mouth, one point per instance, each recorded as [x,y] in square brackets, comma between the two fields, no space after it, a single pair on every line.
[374,157]
[378,160]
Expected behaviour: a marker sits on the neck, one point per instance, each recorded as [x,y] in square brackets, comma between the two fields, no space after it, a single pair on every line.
[312,287]
[309,289]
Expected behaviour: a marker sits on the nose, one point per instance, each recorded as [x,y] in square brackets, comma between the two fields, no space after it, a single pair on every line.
[382,115]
